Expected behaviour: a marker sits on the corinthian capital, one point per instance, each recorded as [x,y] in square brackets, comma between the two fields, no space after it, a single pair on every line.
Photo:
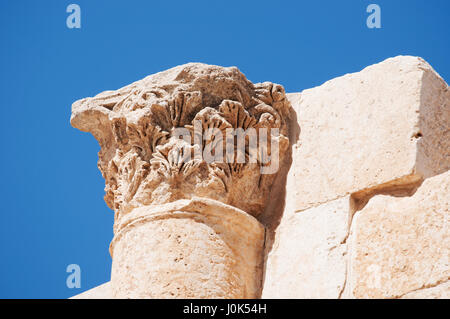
[192,131]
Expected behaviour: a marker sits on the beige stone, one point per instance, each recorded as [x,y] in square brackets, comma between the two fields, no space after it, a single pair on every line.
[145,161]
[184,223]
[379,131]
[387,122]
[308,258]
[401,244]
[361,213]
[194,248]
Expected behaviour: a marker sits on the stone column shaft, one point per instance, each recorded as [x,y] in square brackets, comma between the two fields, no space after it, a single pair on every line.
[195,248]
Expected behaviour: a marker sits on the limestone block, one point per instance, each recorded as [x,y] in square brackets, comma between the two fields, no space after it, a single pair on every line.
[100,292]
[401,244]
[385,123]
[308,259]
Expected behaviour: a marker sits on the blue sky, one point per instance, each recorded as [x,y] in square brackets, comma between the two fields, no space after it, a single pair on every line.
[52,210]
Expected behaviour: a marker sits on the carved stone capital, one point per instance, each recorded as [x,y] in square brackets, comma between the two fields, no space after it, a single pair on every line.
[157,136]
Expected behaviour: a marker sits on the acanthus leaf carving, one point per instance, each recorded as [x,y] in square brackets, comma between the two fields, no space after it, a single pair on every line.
[143,158]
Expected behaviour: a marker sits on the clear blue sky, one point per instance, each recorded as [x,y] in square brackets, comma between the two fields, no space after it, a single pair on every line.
[52,208]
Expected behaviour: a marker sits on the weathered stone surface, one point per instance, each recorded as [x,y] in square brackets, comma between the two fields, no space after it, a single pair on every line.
[100,292]
[194,248]
[308,258]
[373,156]
[189,156]
[380,131]
[389,121]
[401,244]
[145,161]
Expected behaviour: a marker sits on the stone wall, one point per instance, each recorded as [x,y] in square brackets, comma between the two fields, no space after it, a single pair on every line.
[367,205]
[360,206]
